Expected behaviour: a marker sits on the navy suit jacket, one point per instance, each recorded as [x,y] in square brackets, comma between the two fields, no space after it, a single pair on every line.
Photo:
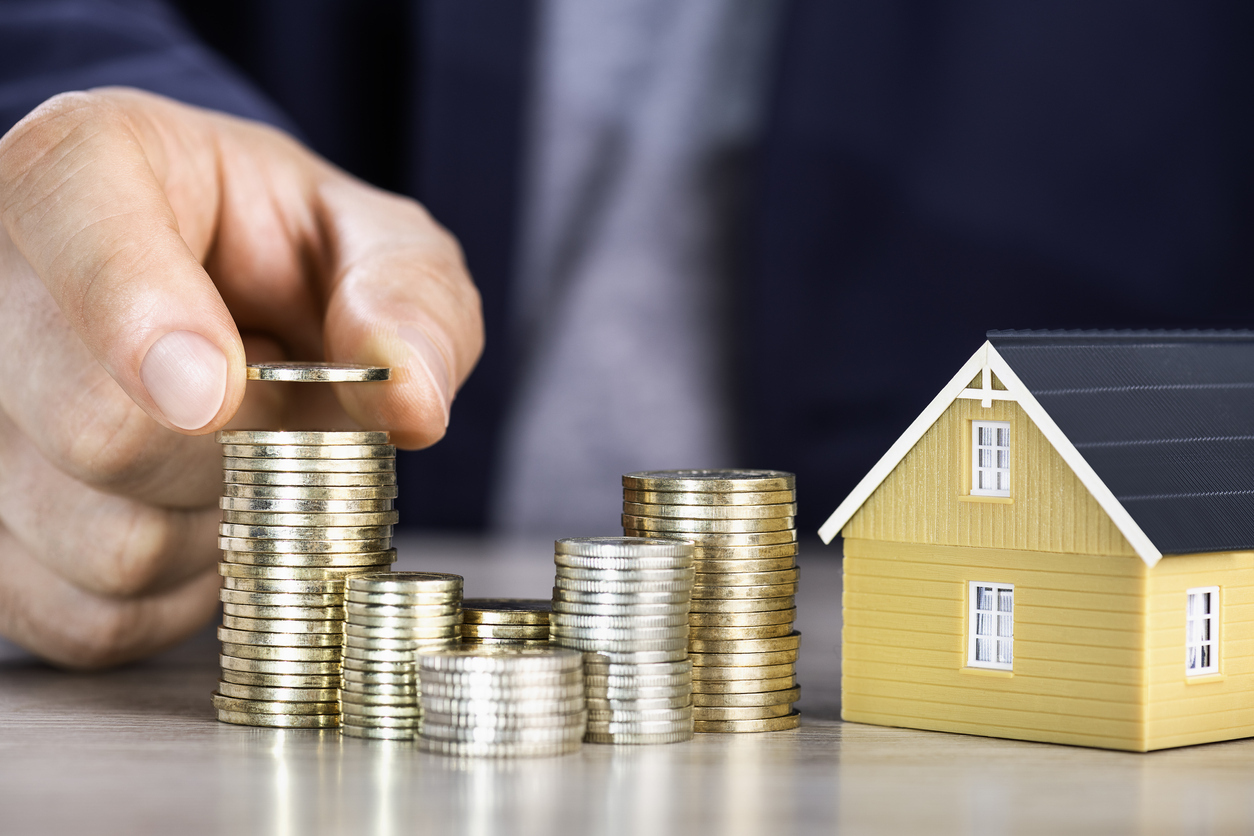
[930,170]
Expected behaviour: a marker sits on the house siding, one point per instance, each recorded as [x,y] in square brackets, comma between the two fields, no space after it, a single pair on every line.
[926,497]
[1079,648]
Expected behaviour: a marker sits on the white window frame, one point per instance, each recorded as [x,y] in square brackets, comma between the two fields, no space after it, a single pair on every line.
[1194,619]
[995,470]
[974,623]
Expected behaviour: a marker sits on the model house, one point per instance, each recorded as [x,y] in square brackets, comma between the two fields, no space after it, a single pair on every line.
[1061,547]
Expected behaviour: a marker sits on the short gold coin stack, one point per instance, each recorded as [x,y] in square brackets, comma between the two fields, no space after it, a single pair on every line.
[392,617]
[509,621]
[742,643]
[301,513]
[624,601]
[502,702]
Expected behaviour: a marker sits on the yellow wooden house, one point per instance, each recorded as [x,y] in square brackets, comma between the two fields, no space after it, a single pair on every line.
[1061,547]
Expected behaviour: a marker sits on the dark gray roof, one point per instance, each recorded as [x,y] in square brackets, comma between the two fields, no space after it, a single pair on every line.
[1165,418]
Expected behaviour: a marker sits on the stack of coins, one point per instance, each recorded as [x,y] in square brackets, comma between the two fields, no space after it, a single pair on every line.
[502,702]
[392,616]
[301,512]
[742,645]
[624,601]
[514,621]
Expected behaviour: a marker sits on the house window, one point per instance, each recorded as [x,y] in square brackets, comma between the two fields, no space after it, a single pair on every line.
[991,626]
[1201,631]
[990,458]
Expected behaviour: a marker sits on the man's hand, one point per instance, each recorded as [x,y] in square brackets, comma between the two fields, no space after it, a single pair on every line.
[146,248]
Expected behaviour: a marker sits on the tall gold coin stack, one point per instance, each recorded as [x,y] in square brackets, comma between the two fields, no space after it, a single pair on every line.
[624,601]
[502,702]
[511,621]
[392,617]
[301,513]
[742,643]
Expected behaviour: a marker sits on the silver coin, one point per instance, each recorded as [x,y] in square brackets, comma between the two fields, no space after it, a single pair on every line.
[380,722]
[640,739]
[570,723]
[596,727]
[370,710]
[519,693]
[374,679]
[445,705]
[619,564]
[603,698]
[482,734]
[621,587]
[623,622]
[433,628]
[505,680]
[624,657]
[461,749]
[443,607]
[301,371]
[621,547]
[378,734]
[638,703]
[626,575]
[504,659]
[628,610]
[630,598]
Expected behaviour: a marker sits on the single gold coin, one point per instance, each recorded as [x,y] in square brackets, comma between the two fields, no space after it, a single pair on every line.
[500,631]
[306,536]
[657,525]
[271,680]
[706,552]
[267,518]
[409,583]
[323,586]
[404,624]
[280,599]
[225,703]
[403,599]
[704,539]
[290,573]
[287,695]
[709,481]
[776,657]
[746,578]
[517,611]
[280,721]
[780,697]
[740,712]
[765,631]
[792,641]
[281,654]
[745,687]
[369,561]
[355,634]
[712,512]
[324,626]
[728,620]
[246,545]
[709,498]
[374,655]
[279,667]
[305,506]
[788,721]
[410,645]
[742,672]
[309,451]
[319,479]
[309,493]
[723,593]
[722,567]
[310,465]
[285,613]
[300,437]
[263,639]
[301,371]
[741,605]
[368,733]
[436,607]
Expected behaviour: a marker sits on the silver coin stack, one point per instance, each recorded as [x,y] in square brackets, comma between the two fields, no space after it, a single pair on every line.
[742,644]
[624,601]
[502,702]
[511,621]
[301,513]
[393,616]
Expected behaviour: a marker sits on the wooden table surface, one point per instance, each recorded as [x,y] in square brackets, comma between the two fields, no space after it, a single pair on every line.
[138,750]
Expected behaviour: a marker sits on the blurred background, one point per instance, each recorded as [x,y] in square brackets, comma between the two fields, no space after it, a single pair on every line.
[757,233]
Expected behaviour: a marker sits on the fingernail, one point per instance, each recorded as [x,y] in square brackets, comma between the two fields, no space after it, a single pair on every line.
[433,363]
[186,375]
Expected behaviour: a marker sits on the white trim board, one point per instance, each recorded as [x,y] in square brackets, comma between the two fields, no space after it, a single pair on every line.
[988,358]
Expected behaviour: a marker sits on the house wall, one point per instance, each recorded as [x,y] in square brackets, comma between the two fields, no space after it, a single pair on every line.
[926,499]
[1185,710]
[1079,644]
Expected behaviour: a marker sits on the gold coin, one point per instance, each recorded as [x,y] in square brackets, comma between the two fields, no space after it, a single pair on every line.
[788,721]
[308,451]
[279,667]
[266,518]
[709,498]
[516,611]
[741,619]
[281,654]
[709,481]
[742,672]
[722,713]
[707,539]
[747,578]
[280,721]
[280,599]
[272,680]
[410,645]
[225,703]
[720,687]
[290,573]
[704,551]
[792,641]
[712,512]
[779,697]
[299,437]
[324,586]
[365,732]
[260,639]
[742,605]
[409,634]
[403,599]
[723,593]
[288,695]
[770,658]
[505,631]
[403,624]
[516,642]
[722,567]
[377,561]
[377,656]
[301,371]
[371,711]
[246,545]
[285,613]
[309,493]
[307,536]
[409,583]
[657,525]
[309,465]
[318,479]
[305,506]
[324,626]
[765,631]
[435,607]
[359,679]
[347,720]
